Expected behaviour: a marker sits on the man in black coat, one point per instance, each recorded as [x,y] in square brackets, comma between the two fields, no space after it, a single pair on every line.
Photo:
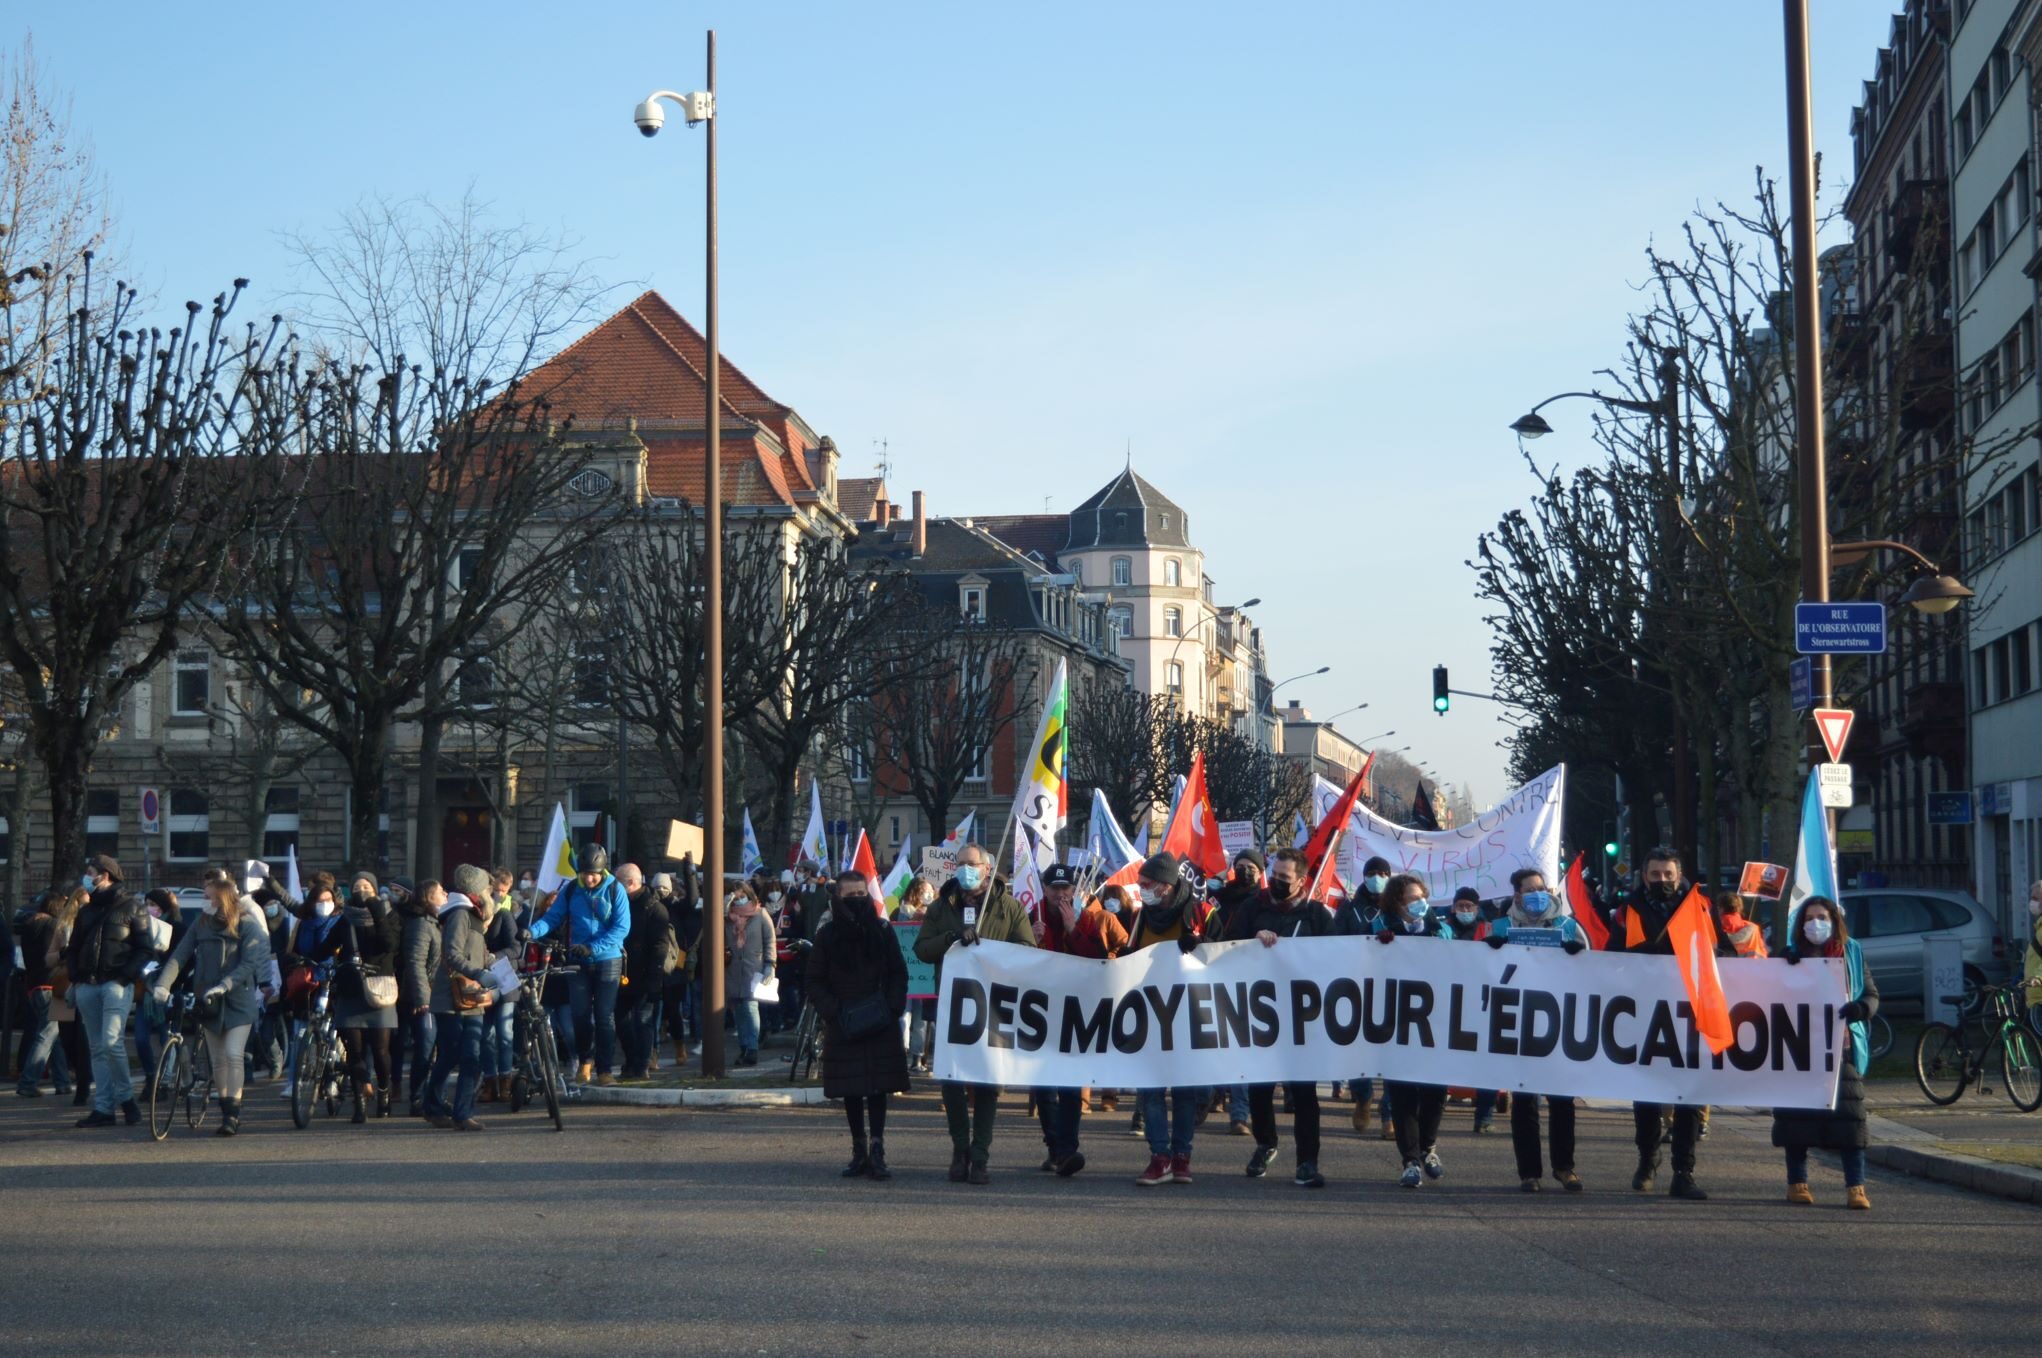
[108,949]
[645,962]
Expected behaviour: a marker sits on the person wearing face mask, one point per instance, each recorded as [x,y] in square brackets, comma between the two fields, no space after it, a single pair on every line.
[973,905]
[464,951]
[149,1024]
[793,935]
[272,1029]
[858,983]
[1279,911]
[683,903]
[1819,930]
[592,912]
[312,929]
[1534,906]
[1642,928]
[1415,1109]
[1172,913]
[362,945]
[645,969]
[1357,917]
[227,955]
[2031,964]
[1468,921]
[750,956]
[107,951]
[1060,1110]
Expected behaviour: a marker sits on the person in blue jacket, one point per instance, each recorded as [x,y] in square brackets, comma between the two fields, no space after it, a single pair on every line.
[1534,906]
[592,915]
[1415,1109]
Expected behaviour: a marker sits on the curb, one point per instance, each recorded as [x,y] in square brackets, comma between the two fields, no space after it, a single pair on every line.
[790,1097]
[1895,1145]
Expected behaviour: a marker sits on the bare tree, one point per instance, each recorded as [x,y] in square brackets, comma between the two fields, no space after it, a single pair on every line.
[939,717]
[252,749]
[1119,744]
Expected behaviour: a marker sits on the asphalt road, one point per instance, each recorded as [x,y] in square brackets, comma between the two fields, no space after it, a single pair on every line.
[730,1232]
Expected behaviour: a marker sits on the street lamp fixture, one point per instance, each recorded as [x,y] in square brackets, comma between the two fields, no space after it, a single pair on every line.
[1344,711]
[1932,591]
[1377,736]
[1309,674]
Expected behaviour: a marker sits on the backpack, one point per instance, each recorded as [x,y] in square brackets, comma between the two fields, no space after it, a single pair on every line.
[672,957]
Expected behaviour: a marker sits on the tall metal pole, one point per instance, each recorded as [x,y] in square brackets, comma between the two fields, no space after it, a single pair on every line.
[712,686]
[1683,753]
[1807,349]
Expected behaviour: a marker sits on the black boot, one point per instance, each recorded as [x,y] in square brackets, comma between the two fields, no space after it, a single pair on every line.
[861,1159]
[131,1111]
[1648,1167]
[83,1095]
[875,1161]
[96,1119]
[383,1102]
[960,1166]
[230,1118]
[1684,1186]
[361,1113]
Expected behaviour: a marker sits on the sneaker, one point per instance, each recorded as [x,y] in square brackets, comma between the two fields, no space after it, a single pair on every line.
[1568,1180]
[1048,1165]
[1158,1172]
[28,1091]
[1527,1185]
[1070,1165]
[1135,1128]
[960,1166]
[95,1118]
[1684,1186]
[289,1090]
[977,1174]
[1412,1177]
[1433,1169]
[1258,1163]
[1308,1175]
[439,1120]
[1240,1129]
[1180,1169]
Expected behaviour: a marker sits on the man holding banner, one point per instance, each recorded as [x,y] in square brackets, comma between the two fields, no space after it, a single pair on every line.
[1060,1110]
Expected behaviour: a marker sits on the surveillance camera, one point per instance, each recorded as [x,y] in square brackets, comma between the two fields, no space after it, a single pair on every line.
[650,117]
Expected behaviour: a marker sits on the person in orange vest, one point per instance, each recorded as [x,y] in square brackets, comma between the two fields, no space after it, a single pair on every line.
[1736,928]
[1642,928]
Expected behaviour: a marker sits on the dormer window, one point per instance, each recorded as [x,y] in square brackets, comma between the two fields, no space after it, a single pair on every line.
[971,597]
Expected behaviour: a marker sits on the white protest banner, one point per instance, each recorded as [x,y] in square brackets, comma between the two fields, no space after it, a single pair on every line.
[939,864]
[1520,831]
[1433,1011]
[1236,836]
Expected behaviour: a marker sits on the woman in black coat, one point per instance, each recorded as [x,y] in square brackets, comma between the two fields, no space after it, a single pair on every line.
[858,983]
[363,946]
[1819,931]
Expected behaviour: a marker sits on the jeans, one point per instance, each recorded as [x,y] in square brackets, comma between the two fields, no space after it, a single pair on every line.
[422,1031]
[1853,1166]
[1304,1117]
[636,1027]
[1170,1116]
[41,1031]
[1687,1124]
[149,1025]
[1237,1104]
[969,1110]
[589,1022]
[747,1014]
[460,1043]
[1059,1111]
[499,1038]
[1524,1133]
[103,1013]
[1415,1112]
[227,1047]
[1485,1107]
[1362,1090]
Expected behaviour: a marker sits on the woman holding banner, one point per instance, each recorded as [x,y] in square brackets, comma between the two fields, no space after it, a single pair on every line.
[1415,1109]
[1283,910]
[1819,931]
[1534,906]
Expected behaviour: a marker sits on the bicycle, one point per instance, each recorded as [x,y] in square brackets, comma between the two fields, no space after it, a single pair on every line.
[184,1078]
[807,1043]
[535,1059]
[1880,1033]
[321,1069]
[1945,1062]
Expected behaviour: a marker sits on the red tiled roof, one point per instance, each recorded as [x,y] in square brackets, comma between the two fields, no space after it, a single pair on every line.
[856,496]
[753,470]
[645,362]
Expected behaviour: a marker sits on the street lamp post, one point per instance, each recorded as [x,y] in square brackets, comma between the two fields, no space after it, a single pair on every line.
[649,117]
[1185,635]
[1309,674]
[1377,736]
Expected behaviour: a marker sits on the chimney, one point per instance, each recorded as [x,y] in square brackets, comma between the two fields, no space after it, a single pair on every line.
[879,506]
[921,537]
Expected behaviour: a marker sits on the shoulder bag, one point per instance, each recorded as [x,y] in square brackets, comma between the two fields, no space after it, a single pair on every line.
[864,1018]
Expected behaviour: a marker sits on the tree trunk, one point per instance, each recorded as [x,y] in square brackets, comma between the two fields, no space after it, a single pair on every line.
[426,817]
[367,768]
[782,828]
[17,829]
[64,760]
[261,776]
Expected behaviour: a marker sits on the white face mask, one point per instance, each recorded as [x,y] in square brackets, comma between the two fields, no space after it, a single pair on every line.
[2035,905]
[1818,930]
[323,909]
[1152,895]
[211,907]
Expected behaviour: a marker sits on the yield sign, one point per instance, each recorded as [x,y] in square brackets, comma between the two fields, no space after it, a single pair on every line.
[1835,725]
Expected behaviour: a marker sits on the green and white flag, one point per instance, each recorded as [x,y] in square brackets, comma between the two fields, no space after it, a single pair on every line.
[895,887]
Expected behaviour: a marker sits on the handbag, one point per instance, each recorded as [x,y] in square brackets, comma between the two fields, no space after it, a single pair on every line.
[468,995]
[863,1018]
[380,991]
[60,981]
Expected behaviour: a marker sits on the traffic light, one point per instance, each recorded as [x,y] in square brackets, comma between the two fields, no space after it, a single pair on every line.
[1439,694]
[1611,850]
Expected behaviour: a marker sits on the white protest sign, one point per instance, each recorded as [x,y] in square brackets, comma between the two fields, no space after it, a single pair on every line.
[1431,1011]
[939,864]
[1236,836]
[1520,831]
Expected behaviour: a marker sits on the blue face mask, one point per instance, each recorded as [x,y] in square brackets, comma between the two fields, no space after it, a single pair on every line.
[1537,902]
[1417,909]
[1375,883]
[86,881]
[969,877]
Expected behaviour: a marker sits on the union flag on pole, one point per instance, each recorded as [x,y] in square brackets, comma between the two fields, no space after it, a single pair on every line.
[1585,914]
[1693,935]
[1320,846]
[1194,835]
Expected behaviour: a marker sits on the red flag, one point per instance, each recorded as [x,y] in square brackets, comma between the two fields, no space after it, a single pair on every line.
[1585,914]
[1693,934]
[862,861]
[1325,879]
[1194,835]
[1319,848]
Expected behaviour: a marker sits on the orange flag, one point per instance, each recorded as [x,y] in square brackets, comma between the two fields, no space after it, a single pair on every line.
[863,861]
[1693,935]
[1319,847]
[1194,836]
[1585,913]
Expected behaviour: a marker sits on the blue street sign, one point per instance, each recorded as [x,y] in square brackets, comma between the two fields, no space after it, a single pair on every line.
[1949,808]
[1801,683]
[1851,628]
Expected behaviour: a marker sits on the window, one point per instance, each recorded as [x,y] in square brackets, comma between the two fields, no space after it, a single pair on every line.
[467,566]
[975,603]
[1175,678]
[588,573]
[1964,130]
[857,761]
[1121,620]
[190,826]
[585,826]
[280,822]
[1078,574]
[1173,622]
[1173,572]
[102,822]
[1890,915]
[591,679]
[1166,523]
[1123,571]
[191,684]
[2024,663]
[475,683]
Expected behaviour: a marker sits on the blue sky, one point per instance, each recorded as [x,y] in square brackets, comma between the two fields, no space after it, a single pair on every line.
[1310,260]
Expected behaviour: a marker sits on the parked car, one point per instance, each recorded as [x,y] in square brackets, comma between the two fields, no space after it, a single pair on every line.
[1891,924]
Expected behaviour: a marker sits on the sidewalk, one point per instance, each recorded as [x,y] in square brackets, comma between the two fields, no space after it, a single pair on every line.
[766,1085]
[1981,1142]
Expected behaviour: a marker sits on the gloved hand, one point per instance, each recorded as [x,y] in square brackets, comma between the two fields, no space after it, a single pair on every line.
[803,944]
[1793,959]
[579,952]
[1572,946]
[524,936]
[1496,940]
[1386,937]
[1187,942]
[161,994]
[217,992]
[968,937]
[1854,1011]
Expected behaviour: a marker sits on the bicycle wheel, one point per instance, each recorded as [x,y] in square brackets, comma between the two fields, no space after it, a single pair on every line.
[198,1085]
[163,1096]
[305,1082]
[2020,1065]
[549,1078]
[813,1051]
[1881,1033]
[1941,1063]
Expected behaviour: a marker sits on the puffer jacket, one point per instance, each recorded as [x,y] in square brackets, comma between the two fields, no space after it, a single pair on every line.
[598,920]
[463,948]
[1841,1128]
[108,940]
[418,954]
